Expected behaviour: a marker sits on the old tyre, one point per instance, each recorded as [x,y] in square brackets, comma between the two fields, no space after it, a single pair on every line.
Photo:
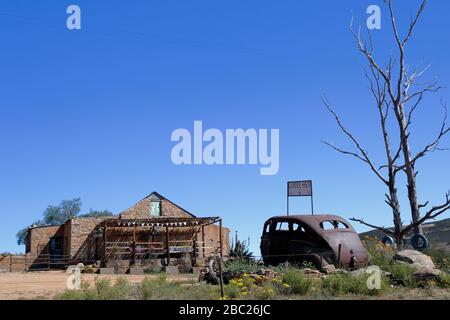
[419,242]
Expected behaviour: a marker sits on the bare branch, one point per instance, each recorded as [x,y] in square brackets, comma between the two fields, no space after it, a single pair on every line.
[431,214]
[384,229]
[412,25]
[363,156]
[386,74]
[414,22]
[344,151]
[434,145]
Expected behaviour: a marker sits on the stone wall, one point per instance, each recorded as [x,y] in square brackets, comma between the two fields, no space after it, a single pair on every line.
[210,236]
[82,243]
[141,210]
[39,239]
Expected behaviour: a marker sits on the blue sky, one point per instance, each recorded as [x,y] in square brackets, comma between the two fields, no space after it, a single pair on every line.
[90,113]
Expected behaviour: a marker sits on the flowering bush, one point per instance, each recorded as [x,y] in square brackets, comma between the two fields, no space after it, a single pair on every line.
[379,254]
[254,287]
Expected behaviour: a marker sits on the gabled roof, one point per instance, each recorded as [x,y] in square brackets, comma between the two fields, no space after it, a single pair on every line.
[160,197]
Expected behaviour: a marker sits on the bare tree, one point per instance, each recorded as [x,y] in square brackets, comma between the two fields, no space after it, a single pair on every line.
[398,93]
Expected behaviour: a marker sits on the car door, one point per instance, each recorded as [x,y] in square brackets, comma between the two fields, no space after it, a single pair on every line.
[279,241]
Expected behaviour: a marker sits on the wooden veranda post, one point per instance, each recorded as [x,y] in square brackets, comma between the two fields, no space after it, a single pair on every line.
[221,259]
[203,242]
[167,245]
[104,243]
[134,244]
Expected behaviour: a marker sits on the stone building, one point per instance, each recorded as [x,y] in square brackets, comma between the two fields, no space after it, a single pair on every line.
[153,231]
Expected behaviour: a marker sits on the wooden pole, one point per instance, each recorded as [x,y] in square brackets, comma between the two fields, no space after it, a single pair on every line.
[220,259]
[167,245]
[10,263]
[104,243]
[194,245]
[203,242]
[134,245]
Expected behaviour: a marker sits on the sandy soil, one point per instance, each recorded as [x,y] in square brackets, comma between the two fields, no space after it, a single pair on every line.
[46,284]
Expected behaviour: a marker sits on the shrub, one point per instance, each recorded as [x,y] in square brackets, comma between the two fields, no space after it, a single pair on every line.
[266,292]
[440,257]
[151,289]
[241,266]
[88,269]
[296,282]
[103,290]
[379,254]
[232,291]
[201,291]
[240,250]
[402,274]
[445,283]
[344,284]
[249,288]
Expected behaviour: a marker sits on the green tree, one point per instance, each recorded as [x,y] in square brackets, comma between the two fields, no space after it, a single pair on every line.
[97,214]
[57,215]
[67,209]
[21,235]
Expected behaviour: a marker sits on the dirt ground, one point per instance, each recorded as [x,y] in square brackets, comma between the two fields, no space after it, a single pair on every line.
[46,284]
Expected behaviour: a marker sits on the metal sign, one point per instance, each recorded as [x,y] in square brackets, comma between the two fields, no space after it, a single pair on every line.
[300,189]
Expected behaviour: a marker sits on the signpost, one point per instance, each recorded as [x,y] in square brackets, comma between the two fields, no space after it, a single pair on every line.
[300,189]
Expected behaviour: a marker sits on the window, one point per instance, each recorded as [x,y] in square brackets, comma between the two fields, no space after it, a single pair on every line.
[267,228]
[298,228]
[155,208]
[341,225]
[327,225]
[331,225]
[282,226]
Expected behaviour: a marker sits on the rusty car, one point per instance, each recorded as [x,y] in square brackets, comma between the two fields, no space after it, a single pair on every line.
[317,239]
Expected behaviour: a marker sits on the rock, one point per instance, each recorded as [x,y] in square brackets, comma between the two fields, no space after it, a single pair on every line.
[339,271]
[428,275]
[184,263]
[136,270]
[197,270]
[72,269]
[329,268]
[357,272]
[368,270]
[172,270]
[415,259]
[107,270]
[311,271]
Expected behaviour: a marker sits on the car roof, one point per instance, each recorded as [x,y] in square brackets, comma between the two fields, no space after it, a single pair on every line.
[313,220]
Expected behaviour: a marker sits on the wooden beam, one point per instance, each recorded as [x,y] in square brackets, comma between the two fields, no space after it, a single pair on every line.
[221,259]
[203,242]
[134,245]
[167,245]
[104,242]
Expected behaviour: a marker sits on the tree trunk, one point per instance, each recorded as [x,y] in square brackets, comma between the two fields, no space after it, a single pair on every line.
[409,169]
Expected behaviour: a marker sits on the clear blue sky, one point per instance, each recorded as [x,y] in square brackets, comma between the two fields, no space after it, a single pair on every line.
[89,113]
